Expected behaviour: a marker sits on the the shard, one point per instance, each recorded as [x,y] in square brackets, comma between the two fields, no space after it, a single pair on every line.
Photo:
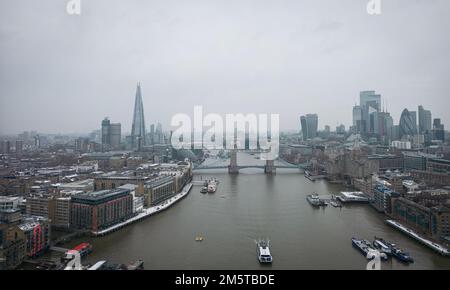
[138,127]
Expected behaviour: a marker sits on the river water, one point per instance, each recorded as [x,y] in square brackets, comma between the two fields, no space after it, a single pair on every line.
[249,206]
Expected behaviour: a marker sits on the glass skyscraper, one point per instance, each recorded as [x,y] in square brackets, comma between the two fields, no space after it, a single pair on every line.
[408,125]
[138,126]
[424,120]
[309,124]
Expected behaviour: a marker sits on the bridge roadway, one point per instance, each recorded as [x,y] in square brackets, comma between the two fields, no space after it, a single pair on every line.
[222,166]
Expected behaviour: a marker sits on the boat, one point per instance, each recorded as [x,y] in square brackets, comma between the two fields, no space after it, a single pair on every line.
[83,249]
[104,265]
[212,186]
[199,239]
[314,200]
[335,203]
[349,197]
[382,246]
[392,250]
[263,251]
[366,249]
[137,265]
[204,189]
[309,176]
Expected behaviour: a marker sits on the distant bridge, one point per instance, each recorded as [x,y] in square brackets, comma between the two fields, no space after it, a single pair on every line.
[300,166]
[269,168]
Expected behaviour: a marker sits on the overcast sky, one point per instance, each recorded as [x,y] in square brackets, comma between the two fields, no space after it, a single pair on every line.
[62,73]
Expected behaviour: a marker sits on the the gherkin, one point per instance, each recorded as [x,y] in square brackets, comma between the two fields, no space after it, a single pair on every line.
[138,127]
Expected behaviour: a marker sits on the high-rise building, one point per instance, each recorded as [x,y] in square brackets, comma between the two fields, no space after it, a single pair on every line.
[388,127]
[37,141]
[394,134]
[82,144]
[19,147]
[152,134]
[106,137]
[438,130]
[159,134]
[384,127]
[115,131]
[424,120]
[408,126]
[413,115]
[309,124]
[340,129]
[138,126]
[111,134]
[358,119]
[7,147]
[370,104]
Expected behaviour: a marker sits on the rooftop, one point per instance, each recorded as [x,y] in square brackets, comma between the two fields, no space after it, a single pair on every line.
[101,195]
[9,198]
[77,184]
[29,222]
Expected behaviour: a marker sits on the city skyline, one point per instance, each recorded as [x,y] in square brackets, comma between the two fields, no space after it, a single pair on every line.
[292,59]
[228,138]
[138,117]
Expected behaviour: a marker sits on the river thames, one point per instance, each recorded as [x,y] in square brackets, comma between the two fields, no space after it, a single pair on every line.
[249,206]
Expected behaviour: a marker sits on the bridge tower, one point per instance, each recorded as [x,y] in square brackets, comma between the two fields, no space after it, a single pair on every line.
[270,168]
[233,167]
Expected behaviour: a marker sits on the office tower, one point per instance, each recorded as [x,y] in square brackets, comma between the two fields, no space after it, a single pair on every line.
[111,134]
[37,141]
[438,130]
[138,126]
[424,120]
[358,119]
[115,134]
[309,124]
[340,129]
[303,128]
[152,134]
[388,126]
[370,105]
[407,123]
[159,134]
[395,133]
[19,147]
[327,129]
[106,137]
[385,123]
[413,115]
[82,144]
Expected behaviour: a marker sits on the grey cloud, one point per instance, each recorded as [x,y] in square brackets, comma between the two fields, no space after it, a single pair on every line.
[61,73]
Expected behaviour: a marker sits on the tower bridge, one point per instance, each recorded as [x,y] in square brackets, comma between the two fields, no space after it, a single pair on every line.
[233,168]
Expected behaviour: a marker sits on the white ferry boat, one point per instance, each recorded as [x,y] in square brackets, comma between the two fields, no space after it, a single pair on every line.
[314,200]
[263,251]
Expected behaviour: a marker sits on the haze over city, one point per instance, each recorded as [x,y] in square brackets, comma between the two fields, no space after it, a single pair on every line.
[62,73]
[221,142]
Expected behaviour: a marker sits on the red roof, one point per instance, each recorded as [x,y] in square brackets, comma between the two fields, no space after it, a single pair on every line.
[81,246]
